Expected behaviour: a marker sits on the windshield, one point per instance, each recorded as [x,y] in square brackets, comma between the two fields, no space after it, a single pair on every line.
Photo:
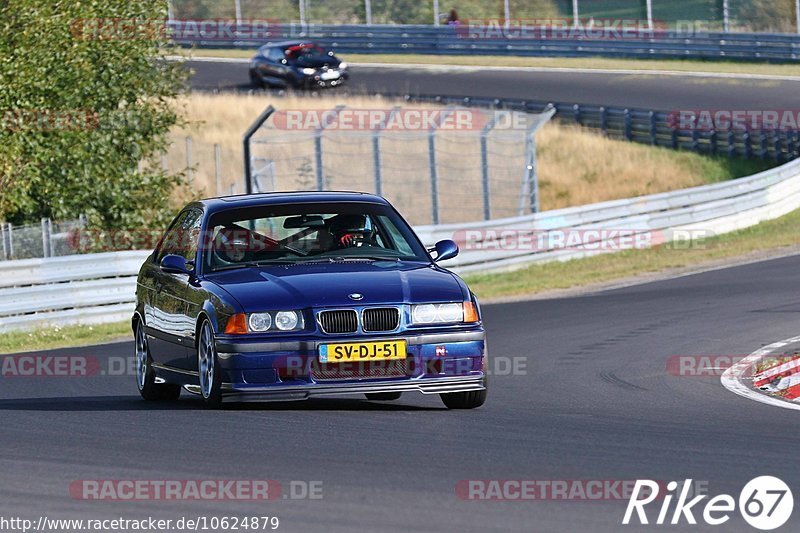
[319,232]
[306,50]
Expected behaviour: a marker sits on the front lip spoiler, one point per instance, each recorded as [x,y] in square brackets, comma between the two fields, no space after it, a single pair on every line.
[304,392]
[228,346]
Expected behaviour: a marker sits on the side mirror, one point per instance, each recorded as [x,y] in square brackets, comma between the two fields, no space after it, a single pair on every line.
[175,264]
[445,250]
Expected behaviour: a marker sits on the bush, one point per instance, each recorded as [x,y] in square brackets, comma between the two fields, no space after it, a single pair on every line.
[86,106]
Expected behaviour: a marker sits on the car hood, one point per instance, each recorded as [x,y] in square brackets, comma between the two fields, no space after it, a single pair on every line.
[330,284]
[317,61]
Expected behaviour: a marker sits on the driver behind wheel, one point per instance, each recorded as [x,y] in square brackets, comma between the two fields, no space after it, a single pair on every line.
[351,231]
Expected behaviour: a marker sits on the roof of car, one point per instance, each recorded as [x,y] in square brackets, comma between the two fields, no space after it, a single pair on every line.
[223,203]
[285,44]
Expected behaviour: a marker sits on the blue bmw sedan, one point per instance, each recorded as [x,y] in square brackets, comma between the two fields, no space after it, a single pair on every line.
[285,296]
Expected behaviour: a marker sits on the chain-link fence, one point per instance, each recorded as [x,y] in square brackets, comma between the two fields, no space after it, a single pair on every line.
[47,239]
[435,165]
[712,15]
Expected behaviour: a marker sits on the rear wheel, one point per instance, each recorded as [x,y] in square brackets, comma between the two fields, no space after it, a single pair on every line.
[383,396]
[464,400]
[146,376]
[208,367]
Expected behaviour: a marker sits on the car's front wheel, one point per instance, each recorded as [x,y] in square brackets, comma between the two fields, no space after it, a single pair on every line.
[146,376]
[208,367]
[464,400]
[255,80]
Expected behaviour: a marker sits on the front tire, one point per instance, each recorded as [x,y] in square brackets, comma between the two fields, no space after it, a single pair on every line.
[208,369]
[256,81]
[146,376]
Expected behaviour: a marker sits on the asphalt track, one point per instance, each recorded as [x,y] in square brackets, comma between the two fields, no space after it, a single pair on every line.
[657,91]
[593,401]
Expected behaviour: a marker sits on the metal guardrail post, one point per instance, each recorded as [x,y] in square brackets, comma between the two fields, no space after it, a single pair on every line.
[576,113]
[531,178]
[653,128]
[627,133]
[748,145]
[47,242]
[713,142]
[432,163]
[777,147]
[604,120]
[5,234]
[487,203]
[320,175]
[376,150]
[731,143]
[763,148]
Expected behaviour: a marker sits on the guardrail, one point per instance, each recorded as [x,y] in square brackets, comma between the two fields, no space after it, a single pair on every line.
[101,287]
[647,126]
[471,40]
[85,289]
[709,209]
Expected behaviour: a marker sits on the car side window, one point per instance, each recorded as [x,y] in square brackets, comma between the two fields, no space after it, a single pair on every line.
[275,54]
[192,225]
[171,238]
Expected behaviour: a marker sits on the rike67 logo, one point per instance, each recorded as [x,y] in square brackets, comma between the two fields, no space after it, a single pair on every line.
[765,503]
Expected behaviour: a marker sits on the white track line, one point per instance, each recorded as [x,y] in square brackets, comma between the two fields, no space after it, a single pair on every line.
[470,68]
[732,378]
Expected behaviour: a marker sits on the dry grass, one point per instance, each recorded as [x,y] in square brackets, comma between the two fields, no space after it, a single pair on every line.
[575,166]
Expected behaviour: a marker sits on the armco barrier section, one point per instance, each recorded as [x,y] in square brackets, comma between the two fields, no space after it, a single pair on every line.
[101,287]
[647,126]
[708,209]
[466,40]
[78,289]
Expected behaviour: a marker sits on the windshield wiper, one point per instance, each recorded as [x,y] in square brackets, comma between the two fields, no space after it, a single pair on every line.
[255,264]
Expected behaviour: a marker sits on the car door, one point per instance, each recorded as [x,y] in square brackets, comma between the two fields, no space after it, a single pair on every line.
[173,327]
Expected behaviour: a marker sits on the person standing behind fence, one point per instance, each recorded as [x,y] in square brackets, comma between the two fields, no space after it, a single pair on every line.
[452,18]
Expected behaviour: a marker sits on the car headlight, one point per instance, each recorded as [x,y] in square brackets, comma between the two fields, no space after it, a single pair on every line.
[260,321]
[309,71]
[342,65]
[286,320]
[444,313]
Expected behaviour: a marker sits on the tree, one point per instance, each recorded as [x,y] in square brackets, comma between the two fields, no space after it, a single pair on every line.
[86,103]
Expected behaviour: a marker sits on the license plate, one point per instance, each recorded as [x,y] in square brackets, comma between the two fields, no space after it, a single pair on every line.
[362,351]
[329,75]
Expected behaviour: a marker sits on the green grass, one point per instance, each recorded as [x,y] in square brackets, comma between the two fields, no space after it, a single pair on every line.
[681,65]
[774,234]
[62,337]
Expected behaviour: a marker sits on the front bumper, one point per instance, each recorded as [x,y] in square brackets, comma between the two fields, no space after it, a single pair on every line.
[312,81]
[435,363]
